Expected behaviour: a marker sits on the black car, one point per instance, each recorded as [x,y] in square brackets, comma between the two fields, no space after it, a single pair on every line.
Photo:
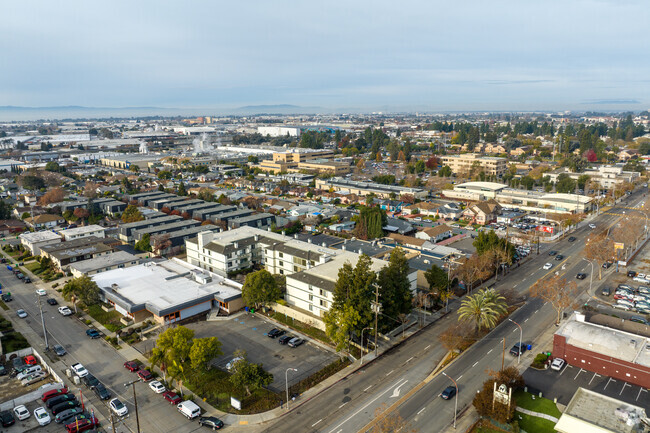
[6,297]
[552,253]
[18,364]
[606,291]
[66,415]
[60,399]
[607,265]
[559,257]
[7,418]
[52,301]
[285,339]
[3,370]
[581,276]
[27,280]
[3,260]
[448,393]
[571,239]
[631,274]
[90,381]
[102,392]
[518,349]
[64,406]
[211,421]
[275,332]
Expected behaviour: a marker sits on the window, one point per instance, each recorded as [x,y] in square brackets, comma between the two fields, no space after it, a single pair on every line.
[323,303]
[281,263]
[311,307]
[311,288]
[281,272]
[280,255]
[322,293]
[311,297]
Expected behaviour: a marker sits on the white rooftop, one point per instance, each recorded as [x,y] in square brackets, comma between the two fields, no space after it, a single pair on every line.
[106,260]
[41,236]
[330,270]
[82,230]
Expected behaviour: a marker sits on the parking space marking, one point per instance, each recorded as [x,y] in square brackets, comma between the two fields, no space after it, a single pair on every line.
[592,379]
[640,391]
[581,370]
[623,389]
[610,380]
[317,422]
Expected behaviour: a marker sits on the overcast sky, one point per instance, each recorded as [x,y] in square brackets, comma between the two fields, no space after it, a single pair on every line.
[369,55]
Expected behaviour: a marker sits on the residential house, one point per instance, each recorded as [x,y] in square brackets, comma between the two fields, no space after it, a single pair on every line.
[44,221]
[483,212]
[435,234]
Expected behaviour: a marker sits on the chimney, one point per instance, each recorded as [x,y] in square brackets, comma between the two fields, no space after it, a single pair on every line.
[323,244]
[295,236]
[309,240]
[257,238]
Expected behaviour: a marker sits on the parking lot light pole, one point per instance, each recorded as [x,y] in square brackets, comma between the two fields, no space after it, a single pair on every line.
[135,402]
[368,328]
[456,403]
[286,382]
[591,276]
[520,335]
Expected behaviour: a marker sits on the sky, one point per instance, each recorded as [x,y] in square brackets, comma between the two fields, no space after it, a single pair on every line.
[463,55]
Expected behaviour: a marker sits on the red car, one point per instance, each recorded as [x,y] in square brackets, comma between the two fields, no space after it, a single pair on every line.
[30,360]
[172,397]
[131,366]
[53,393]
[81,425]
[145,375]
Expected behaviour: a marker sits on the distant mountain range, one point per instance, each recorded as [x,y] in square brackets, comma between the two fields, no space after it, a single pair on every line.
[277,108]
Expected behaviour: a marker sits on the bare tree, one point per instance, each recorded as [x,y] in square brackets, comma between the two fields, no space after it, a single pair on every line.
[161,243]
[557,291]
[390,422]
[599,248]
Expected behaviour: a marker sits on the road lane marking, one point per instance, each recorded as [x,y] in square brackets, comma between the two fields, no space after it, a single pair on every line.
[367,388]
[314,424]
[474,365]
[343,405]
[422,410]
[489,352]
[459,377]
[535,311]
[389,372]
[515,330]
[427,347]
[515,285]
[335,429]
[409,359]
[525,320]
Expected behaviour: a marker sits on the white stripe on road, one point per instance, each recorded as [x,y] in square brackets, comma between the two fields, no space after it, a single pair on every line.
[489,352]
[422,410]
[343,405]
[409,359]
[317,422]
[639,394]
[389,372]
[525,320]
[367,388]
[474,365]
[459,377]
[427,347]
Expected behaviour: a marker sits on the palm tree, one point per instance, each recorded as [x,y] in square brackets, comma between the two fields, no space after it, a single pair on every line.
[483,308]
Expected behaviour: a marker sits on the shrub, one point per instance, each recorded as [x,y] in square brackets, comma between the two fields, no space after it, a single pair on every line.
[540,360]
[88,322]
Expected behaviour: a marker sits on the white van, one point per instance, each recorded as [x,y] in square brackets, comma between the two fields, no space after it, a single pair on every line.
[28,371]
[190,409]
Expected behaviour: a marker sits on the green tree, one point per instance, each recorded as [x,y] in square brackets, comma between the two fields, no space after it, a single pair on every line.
[485,242]
[54,167]
[437,278]
[134,168]
[483,309]
[371,222]
[83,289]
[445,171]
[164,175]
[5,210]
[250,376]
[181,189]
[260,288]
[33,182]
[144,244]
[582,181]
[131,214]
[565,184]
[176,344]
[394,288]
[355,287]
[339,324]
[203,351]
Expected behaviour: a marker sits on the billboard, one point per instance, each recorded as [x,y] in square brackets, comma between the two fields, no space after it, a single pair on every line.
[547,229]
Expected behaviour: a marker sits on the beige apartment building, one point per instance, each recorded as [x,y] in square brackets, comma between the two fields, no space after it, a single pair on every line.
[462,164]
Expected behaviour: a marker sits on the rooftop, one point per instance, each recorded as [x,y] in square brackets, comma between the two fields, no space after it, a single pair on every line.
[41,236]
[481,186]
[108,260]
[82,230]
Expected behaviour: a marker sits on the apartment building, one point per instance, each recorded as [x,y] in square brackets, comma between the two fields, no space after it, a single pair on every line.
[364,188]
[607,177]
[462,164]
[83,232]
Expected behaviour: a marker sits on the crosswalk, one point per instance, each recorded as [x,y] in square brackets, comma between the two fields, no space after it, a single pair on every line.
[631,215]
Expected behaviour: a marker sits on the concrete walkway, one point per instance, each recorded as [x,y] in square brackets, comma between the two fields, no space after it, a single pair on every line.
[537,414]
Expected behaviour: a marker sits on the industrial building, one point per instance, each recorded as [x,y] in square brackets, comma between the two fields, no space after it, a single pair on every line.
[365,188]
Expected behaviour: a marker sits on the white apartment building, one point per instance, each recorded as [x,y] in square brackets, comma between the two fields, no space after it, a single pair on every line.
[462,164]
[83,232]
[606,176]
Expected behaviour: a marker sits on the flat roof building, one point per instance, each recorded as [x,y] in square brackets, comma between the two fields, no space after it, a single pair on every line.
[365,188]
[465,163]
[34,241]
[107,262]
[83,231]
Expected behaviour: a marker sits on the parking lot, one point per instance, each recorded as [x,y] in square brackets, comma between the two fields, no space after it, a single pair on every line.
[248,332]
[563,384]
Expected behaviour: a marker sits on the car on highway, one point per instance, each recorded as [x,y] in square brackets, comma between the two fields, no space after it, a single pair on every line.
[41,292]
[102,392]
[295,342]
[275,332]
[559,257]
[53,393]
[592,226]
[145,375]
[7,418]
[132,366]
[448,393]
[21,313]
[65,311]
[571,239]
[93,333]
[547,266]
[172,397]
[211,421]
[518,349]
[118,407]
[581,275]
[52,301]
[557,364]
[42,417]
[79,369]
[285,339]
[21,412]
[552,253]
[157,387]
[59,350]
[90,381]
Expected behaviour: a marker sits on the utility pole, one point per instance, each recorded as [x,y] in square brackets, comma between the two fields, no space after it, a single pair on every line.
[113,423]
[503,355]
[135,402]
[376,316]
[40,307]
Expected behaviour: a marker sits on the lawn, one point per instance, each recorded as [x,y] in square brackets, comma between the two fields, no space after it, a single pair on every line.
[534,423]
[33,267]
[543,405]
[110,319]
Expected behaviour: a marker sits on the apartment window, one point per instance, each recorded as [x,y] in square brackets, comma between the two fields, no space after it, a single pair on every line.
[322,292]
[323,303]
[311,297]
[311,307]
[310,288]
[280,255]
[281,272]
[296,269]
[281,263]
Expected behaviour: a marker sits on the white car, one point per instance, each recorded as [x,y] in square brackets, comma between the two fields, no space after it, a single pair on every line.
[118,407]
[42,416]
[557,364]
[232,362]
[157,387]
[640,275]
[547,266]
[592,226]
[79,369]
[34,377]
[65,311]
[21,412]
[41,292]
[21,313]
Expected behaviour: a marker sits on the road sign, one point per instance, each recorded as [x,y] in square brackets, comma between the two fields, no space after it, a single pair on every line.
[619,245]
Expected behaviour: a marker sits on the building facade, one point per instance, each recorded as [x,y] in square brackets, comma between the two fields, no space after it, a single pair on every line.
[464,164]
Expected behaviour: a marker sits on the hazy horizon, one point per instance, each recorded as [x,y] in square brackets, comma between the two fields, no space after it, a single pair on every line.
[585,55]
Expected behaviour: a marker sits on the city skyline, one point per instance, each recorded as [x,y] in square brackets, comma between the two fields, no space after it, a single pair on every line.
[578,56]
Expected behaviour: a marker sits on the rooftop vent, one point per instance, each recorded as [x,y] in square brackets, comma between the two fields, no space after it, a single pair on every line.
[114,286]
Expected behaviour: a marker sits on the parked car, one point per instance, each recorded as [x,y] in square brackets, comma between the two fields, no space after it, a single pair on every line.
[211,421]
[93,333]
[518,349]
[30,360]
[81,425]
[53,393]
[64,416]
[571,239]
[607,265]
[6,297]
[41,416]
[59,350]
[623,307]
[581,276]
[21,412]
[557,364]
[60,399]
[118,407]
[64,406]
[448,393]
[232,362]
[172,397]
[145,375]
[90,381]
[285,339]
[21,313]
[79,369]
[642,280]
[157,387]
[132,366]
[295,342]
[275,332]
[27,280]
[65,311]
[189,409]
[34,377]
[3,370]
[7,418]
[102,392]
[52,301]
[606,291]
[631,274]
[27,371]
[592,226]
[41,292]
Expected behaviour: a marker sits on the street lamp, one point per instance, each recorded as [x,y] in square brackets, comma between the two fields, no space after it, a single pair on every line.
[520,335]
[591,276]
[368,328]
[135,402]
[456,403]
[286,382]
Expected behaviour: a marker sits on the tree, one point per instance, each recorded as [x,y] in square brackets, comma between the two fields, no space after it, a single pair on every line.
[83,289]
[54,167]
[339,324]
[483,308]
[203,351]
[260,288]
[32,182]
[599,249]
[445,171]
[250,376]
[181,189]
[355,287]
[390,422]
[164,175]
[5,210]
[455,337]
[131,214]
[81,213]
[556,291]
[176,344]
[160,243]
[395,287]
[144,244]
[437,279]
[484,398]
[55,195]
[90,189]
[371,223]
[565,184]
